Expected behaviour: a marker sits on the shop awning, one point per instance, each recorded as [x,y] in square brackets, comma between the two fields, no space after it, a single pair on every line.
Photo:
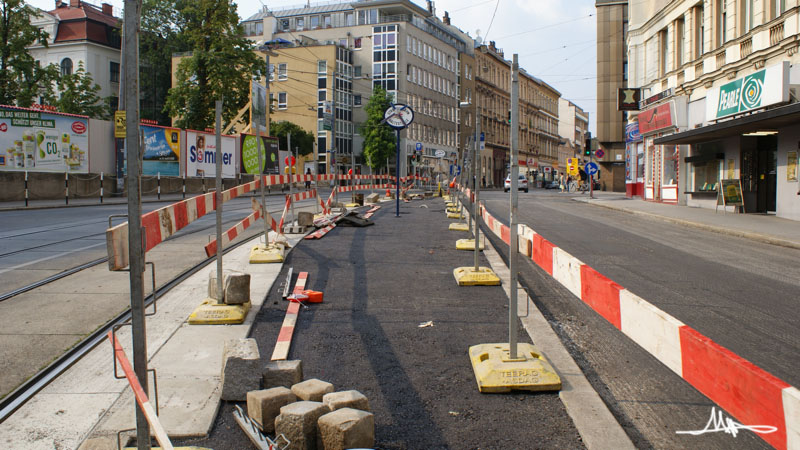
[767,120]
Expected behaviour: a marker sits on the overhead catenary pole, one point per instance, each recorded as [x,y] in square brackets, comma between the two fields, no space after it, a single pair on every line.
[512,221]
[477,183]
[218,194]
[135,235]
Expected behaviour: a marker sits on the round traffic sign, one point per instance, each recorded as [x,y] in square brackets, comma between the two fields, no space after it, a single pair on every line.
[418,146]
[590,168]
[599,153]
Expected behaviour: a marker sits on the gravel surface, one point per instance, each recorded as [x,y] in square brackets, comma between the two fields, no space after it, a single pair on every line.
[380,283]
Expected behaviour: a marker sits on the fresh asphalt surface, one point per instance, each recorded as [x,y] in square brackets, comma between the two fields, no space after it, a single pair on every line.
[740,293]
[380,283]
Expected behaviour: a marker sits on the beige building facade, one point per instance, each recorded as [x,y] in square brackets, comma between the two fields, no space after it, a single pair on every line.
[719,111]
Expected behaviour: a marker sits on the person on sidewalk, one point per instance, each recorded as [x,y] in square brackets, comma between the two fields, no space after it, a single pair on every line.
[308,180]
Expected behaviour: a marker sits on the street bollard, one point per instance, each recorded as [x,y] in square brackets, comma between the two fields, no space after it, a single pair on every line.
[26,188]
[101,187]
[66,188]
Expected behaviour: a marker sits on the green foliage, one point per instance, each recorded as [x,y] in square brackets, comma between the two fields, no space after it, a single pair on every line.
[79,95]
[302,139]
[19,75]
[221,65]
[379,139]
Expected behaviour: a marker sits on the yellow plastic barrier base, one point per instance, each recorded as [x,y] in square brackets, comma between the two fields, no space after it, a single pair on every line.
[454,215]
[453,209]
[467,276]
[495,372]
[451,204]
[458,227]
[351,205]
[446,198]
[468,244]
[265,254]
[212,313]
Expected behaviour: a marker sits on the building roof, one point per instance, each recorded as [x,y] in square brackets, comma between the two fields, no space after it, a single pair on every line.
[83,11]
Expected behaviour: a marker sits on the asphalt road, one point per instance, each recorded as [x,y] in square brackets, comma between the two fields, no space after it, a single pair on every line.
[380,283]
[740,293]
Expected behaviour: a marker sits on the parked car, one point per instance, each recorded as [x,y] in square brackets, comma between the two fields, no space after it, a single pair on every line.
[522,183]
[551,184]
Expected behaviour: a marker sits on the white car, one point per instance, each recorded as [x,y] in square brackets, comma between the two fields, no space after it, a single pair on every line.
[522,183]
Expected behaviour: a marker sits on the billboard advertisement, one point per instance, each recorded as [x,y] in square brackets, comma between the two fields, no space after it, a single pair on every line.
[201,155]
[162,150]
[43,142]
[250,154]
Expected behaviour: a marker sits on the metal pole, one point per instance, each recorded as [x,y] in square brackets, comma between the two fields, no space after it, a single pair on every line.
[262,181]
[512,220]
[135,235]
[291,166]
[66,188]
[477,182]
[101,187]
[218,195]
[397,178]
[26,188]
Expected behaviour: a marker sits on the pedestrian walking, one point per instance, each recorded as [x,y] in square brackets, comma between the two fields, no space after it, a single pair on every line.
[308,179]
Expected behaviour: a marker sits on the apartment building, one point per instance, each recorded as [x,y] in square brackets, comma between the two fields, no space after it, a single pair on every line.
[612,63]
[82,33]
[538,117]
[395,44]
[720,109]
[573,128]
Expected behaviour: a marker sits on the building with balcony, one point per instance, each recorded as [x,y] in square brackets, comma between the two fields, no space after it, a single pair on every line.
[719,117]
[538,118]
[395,44]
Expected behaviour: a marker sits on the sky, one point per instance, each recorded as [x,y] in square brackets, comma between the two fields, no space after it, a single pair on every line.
[555,39]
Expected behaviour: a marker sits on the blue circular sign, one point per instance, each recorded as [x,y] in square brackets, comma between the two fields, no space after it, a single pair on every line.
[418,146]
[590,168]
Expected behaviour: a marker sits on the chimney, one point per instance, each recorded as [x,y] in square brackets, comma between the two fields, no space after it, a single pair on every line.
[431,7]
[75,3]
[108,10]
[446,18]
[58,4]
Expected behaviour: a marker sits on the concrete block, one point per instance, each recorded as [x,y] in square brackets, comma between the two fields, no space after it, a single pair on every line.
[346,399]
[282,373]
[312,390]
[372,198]
[100,443]
[305,219]
[298,423]
[237,288]
[264,406]
[346,428]
[240,369]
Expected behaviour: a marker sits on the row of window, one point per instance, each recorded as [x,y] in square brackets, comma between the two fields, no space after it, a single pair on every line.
[113,69]
[428,107]
[431,81]
[426,133]
[431,54]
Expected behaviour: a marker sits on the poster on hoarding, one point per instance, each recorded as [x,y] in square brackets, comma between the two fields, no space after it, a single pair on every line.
[162,151]
[43,142]
[250,154]
[201,155]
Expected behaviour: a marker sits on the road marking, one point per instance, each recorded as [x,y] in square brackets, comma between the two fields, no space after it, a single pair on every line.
[9,269]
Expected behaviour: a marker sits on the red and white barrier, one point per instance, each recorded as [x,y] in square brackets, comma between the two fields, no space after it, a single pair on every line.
[141,396]
[284,342]
[750,394]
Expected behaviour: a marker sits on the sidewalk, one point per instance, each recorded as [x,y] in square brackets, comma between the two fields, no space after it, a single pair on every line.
[759,227]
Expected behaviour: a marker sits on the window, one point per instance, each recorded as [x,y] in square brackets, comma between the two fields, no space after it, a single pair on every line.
[721,22]
[114,71]
[314,22]
[282,100]
[778,7]
[326,21]
[409,69]
[253,28]
[662,52]
[300,23]
[357,100]
[284,24]
[356,71]
[414,46]
[272,72]
[747,16]
[699,31]
[66,66]
[408,44]
[322,96]
[679,42]
[349,19]
[357,43]
[282,72]
[322,66]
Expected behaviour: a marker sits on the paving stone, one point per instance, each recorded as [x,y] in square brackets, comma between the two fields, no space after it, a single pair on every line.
[236,287]
[264,406]
[305,219]
[298,423]
[372,198]
[240,369]
[282,373]
[346,399]
[312,390]
[346,428]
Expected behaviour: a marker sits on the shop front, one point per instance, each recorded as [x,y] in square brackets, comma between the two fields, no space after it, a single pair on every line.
[661,161]
[634,161]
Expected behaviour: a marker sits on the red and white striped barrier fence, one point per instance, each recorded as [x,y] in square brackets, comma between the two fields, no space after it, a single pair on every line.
[281,351]
[141,396]
[749,393]
[372,210]
[285,210]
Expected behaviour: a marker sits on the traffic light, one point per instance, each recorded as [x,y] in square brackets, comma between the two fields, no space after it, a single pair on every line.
[509,116]
[587,152]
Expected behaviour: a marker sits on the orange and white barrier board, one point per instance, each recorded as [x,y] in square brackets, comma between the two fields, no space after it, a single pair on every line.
[749,393]
[281,351]
[141,396]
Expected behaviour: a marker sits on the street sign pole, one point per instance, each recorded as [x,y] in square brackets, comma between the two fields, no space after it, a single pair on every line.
[512,221]
[218,195]
[397,172]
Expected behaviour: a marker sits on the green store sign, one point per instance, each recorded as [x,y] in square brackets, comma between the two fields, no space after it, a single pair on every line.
[741,95]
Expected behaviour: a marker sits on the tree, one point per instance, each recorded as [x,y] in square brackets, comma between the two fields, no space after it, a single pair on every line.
[79,95]
[19,74]
[302,139]
[221,64]
[379,139]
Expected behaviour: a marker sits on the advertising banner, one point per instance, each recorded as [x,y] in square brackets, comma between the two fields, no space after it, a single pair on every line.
[201,155]
[43,142]
[250,154]
[258,104]
[763,88]
[162,150]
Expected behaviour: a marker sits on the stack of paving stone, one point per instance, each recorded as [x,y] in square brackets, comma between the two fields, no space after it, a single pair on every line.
[309,414]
